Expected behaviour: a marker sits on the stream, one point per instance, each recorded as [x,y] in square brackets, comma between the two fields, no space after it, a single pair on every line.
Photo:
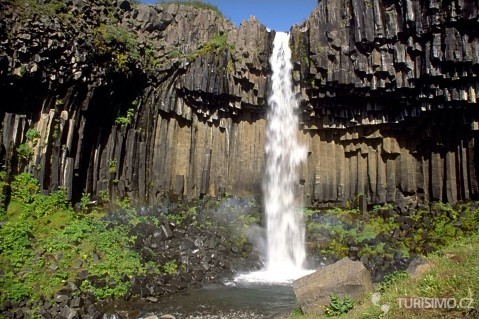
[231,301]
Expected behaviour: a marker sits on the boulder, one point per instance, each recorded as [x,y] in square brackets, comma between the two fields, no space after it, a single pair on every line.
[418,267]
[344,278]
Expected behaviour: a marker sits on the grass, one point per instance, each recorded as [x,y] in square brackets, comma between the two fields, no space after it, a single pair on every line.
[195,4]
[454,275]
[52,8]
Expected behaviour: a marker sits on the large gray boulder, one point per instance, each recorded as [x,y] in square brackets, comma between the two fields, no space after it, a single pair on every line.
[344,278]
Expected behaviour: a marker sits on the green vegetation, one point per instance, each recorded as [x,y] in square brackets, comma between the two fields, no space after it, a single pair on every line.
[453,275]
[195,3]
[32,135]
[383,232]
[339,306]
[3,193]
[24,151]
[170,268]
[44,244]
[119,43]
[218,43]
[446,234]
[125,120]
[49,8]
[112,166]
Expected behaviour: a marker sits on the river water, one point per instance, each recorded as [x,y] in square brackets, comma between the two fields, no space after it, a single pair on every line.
[230,301]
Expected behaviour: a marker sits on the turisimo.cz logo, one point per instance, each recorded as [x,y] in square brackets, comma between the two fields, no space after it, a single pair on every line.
[425,303]
[435,303]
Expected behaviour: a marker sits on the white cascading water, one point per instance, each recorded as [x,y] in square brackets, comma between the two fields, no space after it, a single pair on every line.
[285,255]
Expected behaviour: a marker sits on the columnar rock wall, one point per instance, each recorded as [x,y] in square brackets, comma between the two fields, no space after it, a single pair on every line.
[389,94]
[197,124]
[152,101]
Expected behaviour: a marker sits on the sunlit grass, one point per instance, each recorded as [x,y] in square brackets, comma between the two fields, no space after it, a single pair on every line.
[454,275]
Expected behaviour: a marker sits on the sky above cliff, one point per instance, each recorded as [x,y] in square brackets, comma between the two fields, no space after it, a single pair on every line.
[278,15]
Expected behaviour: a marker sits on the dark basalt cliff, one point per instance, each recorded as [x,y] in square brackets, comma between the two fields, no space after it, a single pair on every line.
[390,99]
[150,101]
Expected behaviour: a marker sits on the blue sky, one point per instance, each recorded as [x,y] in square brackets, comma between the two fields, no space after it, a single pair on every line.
[278,15]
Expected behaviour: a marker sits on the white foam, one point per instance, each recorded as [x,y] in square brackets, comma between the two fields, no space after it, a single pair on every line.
[285,253]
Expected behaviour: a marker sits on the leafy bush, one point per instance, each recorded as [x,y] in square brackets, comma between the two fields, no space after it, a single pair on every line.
[170,268]
[112,166]
[102,247]
[45,205]
[339,306]
[15,243]
[25,187]
[125,120]
[24,151]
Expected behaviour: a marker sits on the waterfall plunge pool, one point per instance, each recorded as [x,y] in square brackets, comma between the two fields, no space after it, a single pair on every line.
[233,300]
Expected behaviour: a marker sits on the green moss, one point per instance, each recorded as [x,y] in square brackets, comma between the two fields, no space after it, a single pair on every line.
[230,66]
[112,166]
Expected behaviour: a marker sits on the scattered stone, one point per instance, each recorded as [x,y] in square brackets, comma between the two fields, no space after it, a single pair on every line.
[418,267]
[152,299]
[344,278]
[61,298]
[68,313]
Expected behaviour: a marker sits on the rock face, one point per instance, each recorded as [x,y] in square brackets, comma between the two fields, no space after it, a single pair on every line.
[148,101]
[195,85]
[343,278]
[389,94]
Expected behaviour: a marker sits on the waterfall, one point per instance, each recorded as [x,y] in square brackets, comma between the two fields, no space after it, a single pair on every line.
[285,255]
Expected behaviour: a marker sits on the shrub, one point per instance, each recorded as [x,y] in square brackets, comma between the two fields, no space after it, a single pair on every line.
[24,151]
[46,205]
[170,268]
[125,120]
[32,135]
[339,306]
[112,166]
[25,187]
